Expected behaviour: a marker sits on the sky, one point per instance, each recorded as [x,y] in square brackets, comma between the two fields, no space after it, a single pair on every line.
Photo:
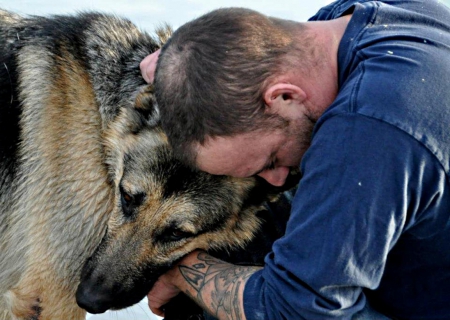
[149,14]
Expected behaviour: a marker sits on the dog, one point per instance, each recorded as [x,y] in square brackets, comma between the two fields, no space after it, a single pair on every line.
[166,210]
[91,197]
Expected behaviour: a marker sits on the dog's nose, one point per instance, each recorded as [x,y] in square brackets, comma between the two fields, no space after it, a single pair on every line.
[91,299]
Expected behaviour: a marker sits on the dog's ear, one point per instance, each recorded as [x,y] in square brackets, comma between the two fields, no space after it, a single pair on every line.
[163,34]
[145,104]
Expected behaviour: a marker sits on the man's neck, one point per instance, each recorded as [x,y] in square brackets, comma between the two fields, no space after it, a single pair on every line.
[321,81]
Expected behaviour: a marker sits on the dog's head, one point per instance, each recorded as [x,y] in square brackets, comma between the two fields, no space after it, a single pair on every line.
[164,210]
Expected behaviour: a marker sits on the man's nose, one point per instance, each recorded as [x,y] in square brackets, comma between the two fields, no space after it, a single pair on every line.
[276,177]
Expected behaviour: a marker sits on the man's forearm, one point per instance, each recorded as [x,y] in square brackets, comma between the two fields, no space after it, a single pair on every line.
[215,285]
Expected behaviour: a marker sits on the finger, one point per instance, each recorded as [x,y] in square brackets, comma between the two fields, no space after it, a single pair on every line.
[161,293]
[155,305]
[148,66]
[158,312]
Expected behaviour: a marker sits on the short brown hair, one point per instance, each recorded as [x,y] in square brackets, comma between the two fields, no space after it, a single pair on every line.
[212,73]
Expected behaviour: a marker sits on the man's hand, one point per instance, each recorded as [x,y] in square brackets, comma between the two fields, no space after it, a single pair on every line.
[148,66]
[162,292]
[213,284]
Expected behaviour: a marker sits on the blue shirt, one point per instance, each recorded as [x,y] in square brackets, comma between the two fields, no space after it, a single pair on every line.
[371,217]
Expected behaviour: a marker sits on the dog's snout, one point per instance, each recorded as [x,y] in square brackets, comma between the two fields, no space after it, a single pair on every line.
[92,298]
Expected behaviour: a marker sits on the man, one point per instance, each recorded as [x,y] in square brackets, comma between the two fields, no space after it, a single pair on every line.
[359,97]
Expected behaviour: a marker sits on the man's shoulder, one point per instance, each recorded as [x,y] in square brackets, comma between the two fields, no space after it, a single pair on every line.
[396,72]
[339,8]
[336,9]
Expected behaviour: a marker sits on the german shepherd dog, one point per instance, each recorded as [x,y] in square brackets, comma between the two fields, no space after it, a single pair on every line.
[93,205]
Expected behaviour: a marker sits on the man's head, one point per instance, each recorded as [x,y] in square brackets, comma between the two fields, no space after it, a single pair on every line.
[235,79]
[213,72]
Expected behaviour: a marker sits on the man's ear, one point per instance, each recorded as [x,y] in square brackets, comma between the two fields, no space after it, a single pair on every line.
[283,98]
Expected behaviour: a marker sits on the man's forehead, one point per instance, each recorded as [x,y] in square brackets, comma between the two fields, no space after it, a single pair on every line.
[220,155]
[215,149]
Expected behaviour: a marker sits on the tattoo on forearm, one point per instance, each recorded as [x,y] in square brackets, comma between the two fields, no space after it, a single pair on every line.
[219,279]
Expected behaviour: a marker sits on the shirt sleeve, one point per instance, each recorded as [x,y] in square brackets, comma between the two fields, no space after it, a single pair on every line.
[362,187]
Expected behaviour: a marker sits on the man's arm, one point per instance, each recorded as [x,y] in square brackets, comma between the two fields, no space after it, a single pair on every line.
[213,284]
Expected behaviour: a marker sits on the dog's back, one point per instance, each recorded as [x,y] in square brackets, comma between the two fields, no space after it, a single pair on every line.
[63,80]
[43,61]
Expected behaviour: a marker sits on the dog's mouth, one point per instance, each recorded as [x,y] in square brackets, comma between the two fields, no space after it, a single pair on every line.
[98,300]
[98,293]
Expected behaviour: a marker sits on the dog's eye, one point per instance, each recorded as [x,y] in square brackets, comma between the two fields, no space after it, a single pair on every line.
[128,198]
[130,202]
[177,234]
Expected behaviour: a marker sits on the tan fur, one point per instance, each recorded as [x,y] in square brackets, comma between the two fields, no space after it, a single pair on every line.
[62,197]
[66,148]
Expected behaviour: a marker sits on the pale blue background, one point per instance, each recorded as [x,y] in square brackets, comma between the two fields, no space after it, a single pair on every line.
[148,15]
